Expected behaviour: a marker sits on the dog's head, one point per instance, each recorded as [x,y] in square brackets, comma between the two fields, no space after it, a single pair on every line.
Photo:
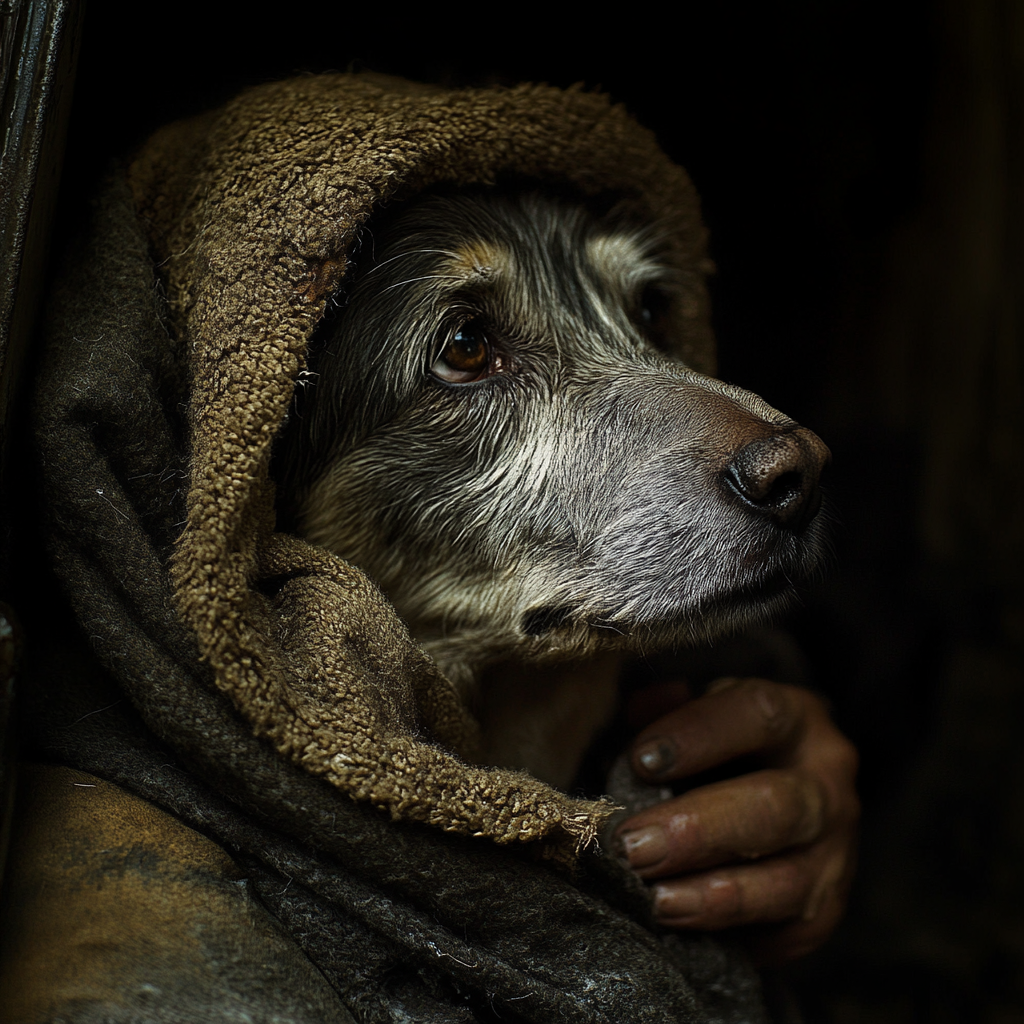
[500,433]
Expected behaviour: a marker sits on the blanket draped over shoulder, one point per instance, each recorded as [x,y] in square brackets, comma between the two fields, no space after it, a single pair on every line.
[262,691]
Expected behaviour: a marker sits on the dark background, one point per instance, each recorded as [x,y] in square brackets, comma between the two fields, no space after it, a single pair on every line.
[862,175]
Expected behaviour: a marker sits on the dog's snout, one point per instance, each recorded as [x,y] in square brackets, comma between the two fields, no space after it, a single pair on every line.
[778,476]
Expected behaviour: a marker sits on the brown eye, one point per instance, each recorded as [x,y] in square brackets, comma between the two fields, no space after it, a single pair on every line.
[466,357]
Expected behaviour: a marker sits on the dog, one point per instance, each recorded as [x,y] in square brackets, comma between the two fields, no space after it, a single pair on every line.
[500,431]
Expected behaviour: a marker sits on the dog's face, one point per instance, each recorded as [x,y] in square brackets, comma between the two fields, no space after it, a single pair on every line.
[500,435]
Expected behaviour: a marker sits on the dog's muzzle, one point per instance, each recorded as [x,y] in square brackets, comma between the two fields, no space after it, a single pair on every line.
[715,518]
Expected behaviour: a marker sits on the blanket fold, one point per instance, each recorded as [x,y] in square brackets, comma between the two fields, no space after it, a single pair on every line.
[261,690]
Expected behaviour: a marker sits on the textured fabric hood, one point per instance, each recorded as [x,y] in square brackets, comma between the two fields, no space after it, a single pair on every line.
[257,688]
[252,214]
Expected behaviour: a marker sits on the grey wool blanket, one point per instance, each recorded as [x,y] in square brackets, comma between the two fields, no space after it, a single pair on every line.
[251,703]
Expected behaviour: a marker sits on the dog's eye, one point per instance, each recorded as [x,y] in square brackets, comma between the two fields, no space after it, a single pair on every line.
[466,357]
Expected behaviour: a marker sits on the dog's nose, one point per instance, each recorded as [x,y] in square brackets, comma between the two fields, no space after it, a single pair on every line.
[778,476]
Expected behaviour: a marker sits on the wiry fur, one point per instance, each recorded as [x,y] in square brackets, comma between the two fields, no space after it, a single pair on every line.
[573,501]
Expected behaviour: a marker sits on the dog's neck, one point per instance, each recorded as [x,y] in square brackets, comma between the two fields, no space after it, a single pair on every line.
[542,718]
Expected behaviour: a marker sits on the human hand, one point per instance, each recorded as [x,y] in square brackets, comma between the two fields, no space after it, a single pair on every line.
[773,847]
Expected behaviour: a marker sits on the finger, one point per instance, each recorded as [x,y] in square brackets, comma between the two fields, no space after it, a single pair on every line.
[772,890]
[806,892]
[826,752]
[750,716]
[774,946]
[736,820]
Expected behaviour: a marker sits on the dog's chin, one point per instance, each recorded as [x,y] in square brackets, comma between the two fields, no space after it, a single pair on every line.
[646,612]
[558,633]
[701,609]
[706,620]
[693,621]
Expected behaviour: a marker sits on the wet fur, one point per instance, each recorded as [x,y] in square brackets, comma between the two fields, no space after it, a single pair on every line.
[562,510]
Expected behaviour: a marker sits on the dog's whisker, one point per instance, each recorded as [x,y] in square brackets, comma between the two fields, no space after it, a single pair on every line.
[426,277]
[411,252]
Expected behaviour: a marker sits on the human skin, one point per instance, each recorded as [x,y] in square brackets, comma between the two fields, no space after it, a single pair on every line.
[770,851]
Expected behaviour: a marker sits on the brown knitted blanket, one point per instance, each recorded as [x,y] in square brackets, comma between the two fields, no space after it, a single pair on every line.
[322,749]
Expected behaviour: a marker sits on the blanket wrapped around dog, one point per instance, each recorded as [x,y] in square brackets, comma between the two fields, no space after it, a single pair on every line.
[255,733]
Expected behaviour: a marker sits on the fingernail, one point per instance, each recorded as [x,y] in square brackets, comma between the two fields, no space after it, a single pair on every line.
[677,902]
[644,846]
[657,756]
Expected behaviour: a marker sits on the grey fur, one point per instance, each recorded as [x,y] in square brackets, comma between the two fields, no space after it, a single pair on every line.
[570,501]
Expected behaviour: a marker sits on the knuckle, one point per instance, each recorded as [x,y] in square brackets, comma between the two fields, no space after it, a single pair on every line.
[840,777]
[788,889]
[791,809]
[773,706]
[723,900]
[810,818]
[794,885]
